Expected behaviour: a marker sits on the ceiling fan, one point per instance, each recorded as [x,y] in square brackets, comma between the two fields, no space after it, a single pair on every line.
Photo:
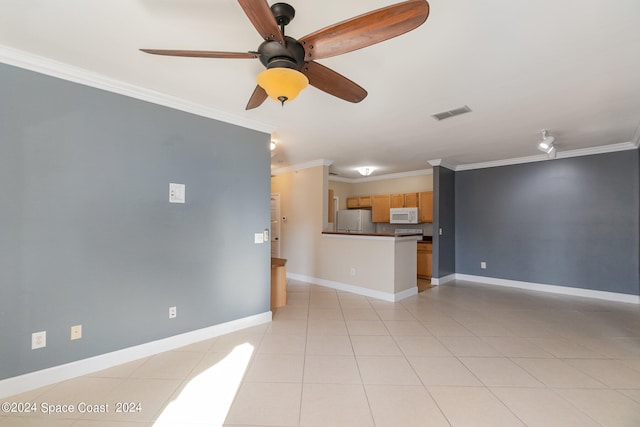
[291,64]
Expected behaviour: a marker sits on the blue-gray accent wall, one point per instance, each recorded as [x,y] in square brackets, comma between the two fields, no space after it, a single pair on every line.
[88,236]
[570,222]
[444,218]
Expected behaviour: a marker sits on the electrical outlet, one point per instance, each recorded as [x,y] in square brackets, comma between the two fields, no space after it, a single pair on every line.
[353,271]
[76,332]
[38,340]
[177,193]
[173,312]
[483,265]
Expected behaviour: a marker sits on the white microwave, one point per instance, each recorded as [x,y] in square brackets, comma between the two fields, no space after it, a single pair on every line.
[403,216]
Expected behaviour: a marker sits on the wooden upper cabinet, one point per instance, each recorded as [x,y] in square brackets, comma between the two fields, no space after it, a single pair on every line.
[425,206]
[358,202]
[381,204]
[411,200]
[380,208]
[397,200]
[364,201]
[406,200]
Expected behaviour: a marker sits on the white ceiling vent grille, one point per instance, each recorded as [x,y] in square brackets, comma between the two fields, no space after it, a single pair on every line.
[455,112]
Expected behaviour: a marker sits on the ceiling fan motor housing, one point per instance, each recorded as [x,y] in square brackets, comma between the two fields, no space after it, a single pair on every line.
[275,55]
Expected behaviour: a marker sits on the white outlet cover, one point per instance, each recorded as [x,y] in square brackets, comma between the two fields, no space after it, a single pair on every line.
[177,193]
[76,332]
[38,340]
[173,312]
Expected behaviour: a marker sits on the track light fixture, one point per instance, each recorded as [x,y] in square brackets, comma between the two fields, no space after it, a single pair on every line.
[547,145]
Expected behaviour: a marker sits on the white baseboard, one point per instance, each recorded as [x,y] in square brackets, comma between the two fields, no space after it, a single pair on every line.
[359,290]
[33,380]
[436,281]
[564,290]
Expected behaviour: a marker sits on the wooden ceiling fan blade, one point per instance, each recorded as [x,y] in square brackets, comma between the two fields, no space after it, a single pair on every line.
[202,53]
[333,83]
[257,98]
[260,15]
[365,30]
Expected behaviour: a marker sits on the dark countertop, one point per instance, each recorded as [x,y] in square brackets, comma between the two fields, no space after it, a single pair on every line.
[372,234]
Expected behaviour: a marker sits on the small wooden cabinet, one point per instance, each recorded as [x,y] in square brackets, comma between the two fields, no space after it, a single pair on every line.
[397,200]
[406,200]
[278,282]
[411,200]
[358,202]
[425,206]
[380,208]
[425,259]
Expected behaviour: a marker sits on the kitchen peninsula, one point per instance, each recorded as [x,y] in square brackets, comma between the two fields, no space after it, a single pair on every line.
[379,265]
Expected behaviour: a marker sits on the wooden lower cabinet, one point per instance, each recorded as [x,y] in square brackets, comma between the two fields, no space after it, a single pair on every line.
[380,208]
[425,259]
[278,282]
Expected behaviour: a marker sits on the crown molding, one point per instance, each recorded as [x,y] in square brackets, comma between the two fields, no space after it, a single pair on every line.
[300,166]
[602,149]
[42,65]
[636,137]
[444,163]
[382,177]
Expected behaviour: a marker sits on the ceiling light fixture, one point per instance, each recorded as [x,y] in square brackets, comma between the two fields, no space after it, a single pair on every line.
[282,84]
[547,144]
[366,170]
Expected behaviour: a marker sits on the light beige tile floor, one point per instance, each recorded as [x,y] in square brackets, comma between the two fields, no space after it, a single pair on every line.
[456,355]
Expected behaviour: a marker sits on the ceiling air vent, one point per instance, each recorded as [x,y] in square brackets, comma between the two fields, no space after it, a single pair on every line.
[455,112]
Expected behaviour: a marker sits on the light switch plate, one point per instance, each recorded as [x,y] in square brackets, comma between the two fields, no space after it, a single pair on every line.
[258,238]
[177,193]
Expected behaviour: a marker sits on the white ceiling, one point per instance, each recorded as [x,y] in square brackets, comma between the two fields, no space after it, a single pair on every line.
[572,67]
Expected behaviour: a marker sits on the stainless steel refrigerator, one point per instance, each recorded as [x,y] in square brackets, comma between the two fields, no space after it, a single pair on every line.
[355,221]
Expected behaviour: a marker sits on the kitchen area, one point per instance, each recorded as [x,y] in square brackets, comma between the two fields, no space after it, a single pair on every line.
[394,215]
[383,257]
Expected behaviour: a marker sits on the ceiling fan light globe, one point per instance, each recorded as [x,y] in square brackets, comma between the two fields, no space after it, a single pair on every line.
[282,83]
[365,170]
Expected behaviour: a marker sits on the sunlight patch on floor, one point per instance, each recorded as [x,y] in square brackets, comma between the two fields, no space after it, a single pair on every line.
[207,398]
